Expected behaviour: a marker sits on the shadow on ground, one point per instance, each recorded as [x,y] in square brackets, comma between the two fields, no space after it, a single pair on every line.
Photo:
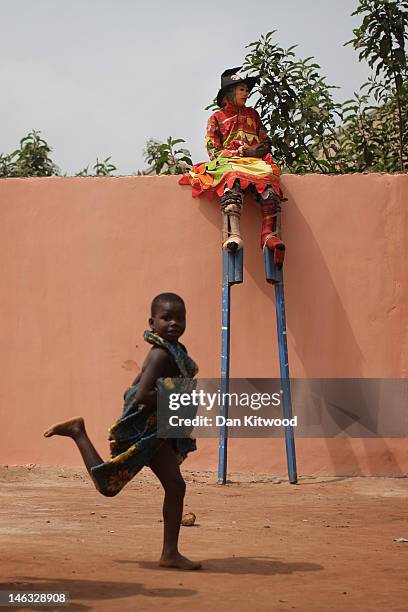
[92,590]
[264,566]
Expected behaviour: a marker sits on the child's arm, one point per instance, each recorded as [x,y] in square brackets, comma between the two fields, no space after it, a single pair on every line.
[153,368]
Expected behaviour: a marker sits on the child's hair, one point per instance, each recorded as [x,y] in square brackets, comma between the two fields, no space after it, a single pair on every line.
[172,298]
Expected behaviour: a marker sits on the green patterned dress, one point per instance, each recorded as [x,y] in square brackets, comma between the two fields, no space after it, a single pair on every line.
[133,438]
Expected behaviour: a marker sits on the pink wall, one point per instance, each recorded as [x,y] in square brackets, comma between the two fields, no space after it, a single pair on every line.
[83,257]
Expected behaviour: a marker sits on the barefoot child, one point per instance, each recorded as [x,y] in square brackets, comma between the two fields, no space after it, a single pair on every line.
[133,438]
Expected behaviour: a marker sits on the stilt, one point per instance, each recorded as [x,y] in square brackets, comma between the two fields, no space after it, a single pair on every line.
[232,273]
[274,275]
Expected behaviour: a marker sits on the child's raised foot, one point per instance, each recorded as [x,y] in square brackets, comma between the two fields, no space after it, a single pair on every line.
[179,562]
[70,428]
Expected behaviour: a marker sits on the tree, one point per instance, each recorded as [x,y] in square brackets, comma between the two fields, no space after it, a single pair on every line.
[295,105]
[164,159]
[380,40]
[308,131]
[31,159]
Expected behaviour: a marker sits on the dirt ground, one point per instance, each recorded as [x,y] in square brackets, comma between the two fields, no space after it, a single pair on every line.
[326,544]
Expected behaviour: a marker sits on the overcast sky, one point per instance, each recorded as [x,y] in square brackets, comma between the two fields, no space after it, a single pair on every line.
[100,77]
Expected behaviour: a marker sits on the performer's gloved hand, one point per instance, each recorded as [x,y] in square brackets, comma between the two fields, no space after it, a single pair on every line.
[263,149]
[256,151]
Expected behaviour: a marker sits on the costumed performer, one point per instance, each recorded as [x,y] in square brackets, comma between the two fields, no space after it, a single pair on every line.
[239,150]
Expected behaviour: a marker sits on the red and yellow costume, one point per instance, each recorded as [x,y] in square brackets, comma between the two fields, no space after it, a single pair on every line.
[228,130]
[231,133]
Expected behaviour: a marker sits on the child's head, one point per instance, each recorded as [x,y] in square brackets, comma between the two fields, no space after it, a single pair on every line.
[237,94]
[168,316]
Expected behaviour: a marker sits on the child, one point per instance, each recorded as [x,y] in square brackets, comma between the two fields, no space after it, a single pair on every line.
[239,148]
[133,439]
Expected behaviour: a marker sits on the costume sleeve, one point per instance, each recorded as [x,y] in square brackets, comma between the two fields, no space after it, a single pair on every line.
[237,152]
[214,144]
[213,140]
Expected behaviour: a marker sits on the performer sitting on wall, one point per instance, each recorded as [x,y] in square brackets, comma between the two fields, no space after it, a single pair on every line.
[239,150]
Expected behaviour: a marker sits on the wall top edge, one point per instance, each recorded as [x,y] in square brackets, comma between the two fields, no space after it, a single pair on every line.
[177,177]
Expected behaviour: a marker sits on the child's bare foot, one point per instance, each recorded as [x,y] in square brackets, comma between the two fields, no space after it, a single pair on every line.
[179,562]
[67,428]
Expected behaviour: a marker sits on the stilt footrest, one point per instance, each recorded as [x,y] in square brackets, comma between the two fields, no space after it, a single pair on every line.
[273,273]
[234,264]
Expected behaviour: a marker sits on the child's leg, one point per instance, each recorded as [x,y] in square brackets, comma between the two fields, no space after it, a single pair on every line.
[75,429]
[164,465]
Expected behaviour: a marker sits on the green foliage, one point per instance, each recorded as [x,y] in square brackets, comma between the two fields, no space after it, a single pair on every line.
[311,133]
[369,138]
[295,104]
[380,39]
[31,159]
[103,168]
[7,165]
[164,159]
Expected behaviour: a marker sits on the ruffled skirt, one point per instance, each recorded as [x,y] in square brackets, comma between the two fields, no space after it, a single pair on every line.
[212,177]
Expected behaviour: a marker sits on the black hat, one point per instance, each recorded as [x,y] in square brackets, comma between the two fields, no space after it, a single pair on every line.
[232,77]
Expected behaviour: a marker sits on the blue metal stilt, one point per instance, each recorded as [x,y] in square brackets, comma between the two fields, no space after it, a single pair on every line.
[232,273]
[274,275]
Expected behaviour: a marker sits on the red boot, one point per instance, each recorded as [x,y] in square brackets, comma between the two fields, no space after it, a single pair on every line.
[269,233]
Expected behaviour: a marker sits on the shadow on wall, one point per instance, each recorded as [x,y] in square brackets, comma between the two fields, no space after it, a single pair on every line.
[321,322]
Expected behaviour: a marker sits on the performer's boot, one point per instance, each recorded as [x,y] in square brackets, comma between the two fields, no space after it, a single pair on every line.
[231,206]
[270,233]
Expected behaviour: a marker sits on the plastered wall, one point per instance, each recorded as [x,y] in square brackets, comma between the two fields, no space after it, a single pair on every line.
[81,259]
